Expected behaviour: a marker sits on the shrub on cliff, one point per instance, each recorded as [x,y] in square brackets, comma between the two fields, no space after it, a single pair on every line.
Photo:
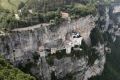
[46,17]
[77,10]
[8,20]
[96,37]
[84,10]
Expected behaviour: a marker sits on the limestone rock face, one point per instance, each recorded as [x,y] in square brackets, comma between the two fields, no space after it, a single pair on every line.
[38,38]
[42,50]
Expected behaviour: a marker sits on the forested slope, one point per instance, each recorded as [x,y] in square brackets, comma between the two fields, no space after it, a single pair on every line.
[8,72]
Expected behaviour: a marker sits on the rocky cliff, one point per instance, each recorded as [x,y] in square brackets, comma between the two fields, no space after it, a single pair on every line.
[109,25]
[73,50]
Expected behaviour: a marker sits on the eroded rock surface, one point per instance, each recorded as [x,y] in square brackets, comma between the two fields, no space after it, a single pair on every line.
[55,52]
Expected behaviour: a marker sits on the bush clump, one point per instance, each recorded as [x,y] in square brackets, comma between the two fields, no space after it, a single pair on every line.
[8,72]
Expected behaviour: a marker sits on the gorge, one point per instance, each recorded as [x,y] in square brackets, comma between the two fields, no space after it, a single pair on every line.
[76,49]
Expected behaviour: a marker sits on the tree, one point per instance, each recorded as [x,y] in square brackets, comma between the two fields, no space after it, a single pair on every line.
[8,72]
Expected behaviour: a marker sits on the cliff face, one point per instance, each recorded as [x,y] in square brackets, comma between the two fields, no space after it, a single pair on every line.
[40,37]
[109,21]
[109,24]
[64,52]
[74,50]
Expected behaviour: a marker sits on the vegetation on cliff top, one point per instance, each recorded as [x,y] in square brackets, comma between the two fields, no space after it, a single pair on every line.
[11,5]
[34,12]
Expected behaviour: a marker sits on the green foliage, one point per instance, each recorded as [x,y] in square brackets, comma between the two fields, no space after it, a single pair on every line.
[96,37]
[36,56]
[50,59]
[59,55]
[8,72]
[90,52]
[107,2]
[53,77]
[51,15]
[47,15]
[86,51]
[21,5]
[7,19]
[84,10]
[77,10]
[92,56]
[112,66]
[11,5]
